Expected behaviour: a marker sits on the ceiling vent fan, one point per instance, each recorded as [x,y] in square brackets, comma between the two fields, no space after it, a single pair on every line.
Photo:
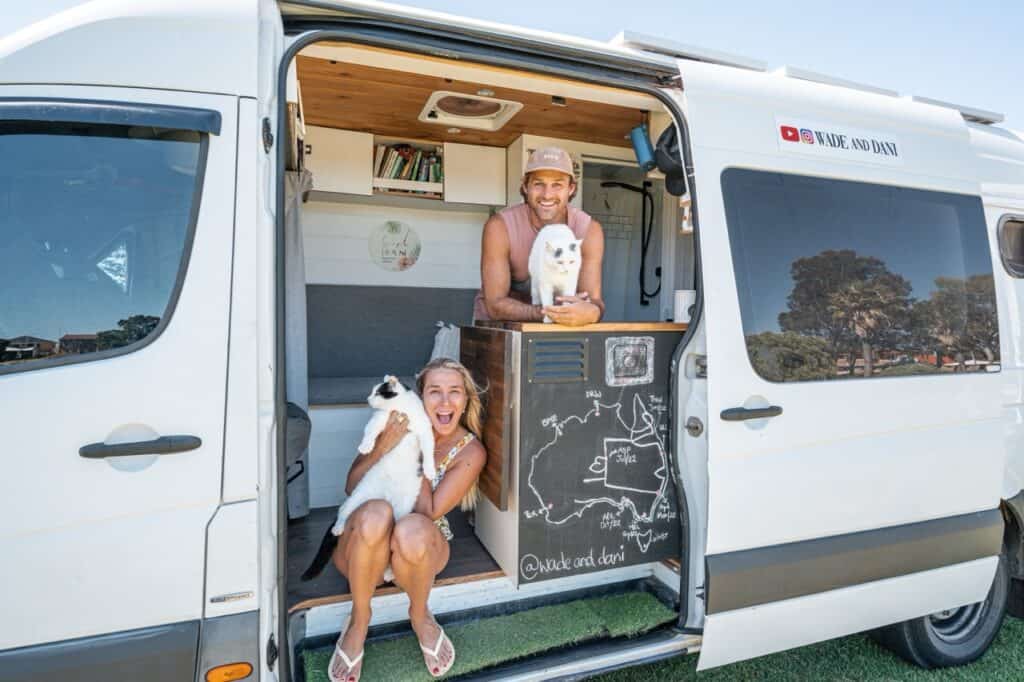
[468,111]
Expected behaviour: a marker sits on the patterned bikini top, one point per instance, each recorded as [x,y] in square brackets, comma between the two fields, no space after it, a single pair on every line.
[443,465]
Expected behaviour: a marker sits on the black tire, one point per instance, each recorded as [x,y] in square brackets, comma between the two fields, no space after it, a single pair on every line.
[953,637]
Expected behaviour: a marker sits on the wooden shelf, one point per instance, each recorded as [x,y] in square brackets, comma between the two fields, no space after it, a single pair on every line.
[408,185]
[397,201]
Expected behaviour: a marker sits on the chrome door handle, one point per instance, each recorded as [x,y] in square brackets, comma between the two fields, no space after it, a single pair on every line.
[739,414]
[165,445]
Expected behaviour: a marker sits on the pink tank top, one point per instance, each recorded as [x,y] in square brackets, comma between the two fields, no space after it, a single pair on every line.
[521,236]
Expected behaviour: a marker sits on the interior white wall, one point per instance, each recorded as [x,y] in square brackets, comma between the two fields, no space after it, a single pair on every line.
[337,251]
[332,446]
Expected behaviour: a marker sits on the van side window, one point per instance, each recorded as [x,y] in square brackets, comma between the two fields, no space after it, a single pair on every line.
[95,225]
[840,279]
[1011,245]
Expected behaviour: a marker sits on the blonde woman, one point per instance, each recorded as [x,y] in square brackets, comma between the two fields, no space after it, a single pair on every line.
[416,548]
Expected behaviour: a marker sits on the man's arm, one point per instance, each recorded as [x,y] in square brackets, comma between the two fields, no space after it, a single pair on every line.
[579,310]
[496,276]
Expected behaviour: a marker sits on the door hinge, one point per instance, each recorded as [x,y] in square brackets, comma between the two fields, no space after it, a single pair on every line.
[700,366]
[271,653]
[268,137]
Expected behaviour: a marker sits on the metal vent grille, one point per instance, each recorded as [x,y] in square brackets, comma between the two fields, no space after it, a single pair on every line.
[557,360]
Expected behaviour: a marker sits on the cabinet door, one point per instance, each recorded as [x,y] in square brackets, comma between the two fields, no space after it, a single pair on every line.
[474,174]
[340,160]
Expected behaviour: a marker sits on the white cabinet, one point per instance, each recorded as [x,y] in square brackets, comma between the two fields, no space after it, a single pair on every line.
[474,174]
[340,160]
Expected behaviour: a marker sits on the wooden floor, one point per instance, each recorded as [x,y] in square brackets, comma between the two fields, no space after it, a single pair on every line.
[469,560]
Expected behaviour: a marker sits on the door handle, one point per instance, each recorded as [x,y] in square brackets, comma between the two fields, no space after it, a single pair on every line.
[165,445]
[739,414]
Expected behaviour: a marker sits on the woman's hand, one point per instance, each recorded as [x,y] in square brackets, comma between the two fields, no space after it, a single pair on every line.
[392,434]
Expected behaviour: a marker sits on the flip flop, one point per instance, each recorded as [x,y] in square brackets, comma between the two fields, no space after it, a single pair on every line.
[349,663]
[441,639]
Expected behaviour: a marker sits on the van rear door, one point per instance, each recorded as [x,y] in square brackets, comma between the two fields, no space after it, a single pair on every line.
[855,447]
[116,228]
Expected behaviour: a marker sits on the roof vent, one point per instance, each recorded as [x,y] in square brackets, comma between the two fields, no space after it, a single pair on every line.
[468,111]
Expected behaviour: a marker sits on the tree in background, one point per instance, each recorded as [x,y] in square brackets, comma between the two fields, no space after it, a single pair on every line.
[875,311]
[790,356]
[853,303]
[130,330]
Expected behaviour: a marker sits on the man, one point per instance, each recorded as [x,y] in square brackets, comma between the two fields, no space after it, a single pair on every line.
[548,186]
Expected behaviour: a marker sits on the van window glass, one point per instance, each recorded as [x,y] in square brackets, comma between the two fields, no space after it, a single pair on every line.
[1011,246]
[94,226]
[840,279]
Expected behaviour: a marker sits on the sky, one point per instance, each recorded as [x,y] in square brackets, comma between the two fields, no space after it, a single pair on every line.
[969,53]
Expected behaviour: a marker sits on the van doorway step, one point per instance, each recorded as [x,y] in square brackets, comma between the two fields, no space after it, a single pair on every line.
[489,642]
[469,560]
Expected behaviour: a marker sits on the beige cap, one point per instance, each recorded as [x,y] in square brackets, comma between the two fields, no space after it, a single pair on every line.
[550,158]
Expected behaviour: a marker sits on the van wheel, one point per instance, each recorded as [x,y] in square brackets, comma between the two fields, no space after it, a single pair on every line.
[952,637]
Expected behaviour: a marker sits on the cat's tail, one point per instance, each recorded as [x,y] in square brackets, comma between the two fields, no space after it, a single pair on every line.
[323,555]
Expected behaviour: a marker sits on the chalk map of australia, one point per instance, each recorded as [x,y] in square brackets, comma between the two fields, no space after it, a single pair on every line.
[622,473]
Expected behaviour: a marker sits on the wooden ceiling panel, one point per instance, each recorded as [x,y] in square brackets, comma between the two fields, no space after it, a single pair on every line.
[388,102]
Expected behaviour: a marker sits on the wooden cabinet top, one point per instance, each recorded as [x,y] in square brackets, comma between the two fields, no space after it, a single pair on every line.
[599,327]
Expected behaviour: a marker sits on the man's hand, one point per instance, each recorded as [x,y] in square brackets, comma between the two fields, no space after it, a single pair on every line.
[573,311]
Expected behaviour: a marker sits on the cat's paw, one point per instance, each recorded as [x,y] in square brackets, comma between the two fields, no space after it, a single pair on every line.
[338,528]
[547,320]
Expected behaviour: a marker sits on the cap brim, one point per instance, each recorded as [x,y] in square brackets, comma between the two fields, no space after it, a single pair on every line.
[547,168]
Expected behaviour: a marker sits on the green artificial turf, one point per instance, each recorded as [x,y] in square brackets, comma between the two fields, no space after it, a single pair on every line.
[490,641]
[852,658]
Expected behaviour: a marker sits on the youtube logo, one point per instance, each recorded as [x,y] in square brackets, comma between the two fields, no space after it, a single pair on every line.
[790,134]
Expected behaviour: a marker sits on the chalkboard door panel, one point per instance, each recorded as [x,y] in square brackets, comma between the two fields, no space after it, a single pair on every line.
[596,488]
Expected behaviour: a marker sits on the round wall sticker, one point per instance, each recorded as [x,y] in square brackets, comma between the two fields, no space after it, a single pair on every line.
[394,246]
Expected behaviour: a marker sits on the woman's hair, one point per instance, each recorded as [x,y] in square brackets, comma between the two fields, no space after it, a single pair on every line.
[472,417]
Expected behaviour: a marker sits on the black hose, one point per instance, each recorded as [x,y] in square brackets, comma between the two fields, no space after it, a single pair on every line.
[646,232]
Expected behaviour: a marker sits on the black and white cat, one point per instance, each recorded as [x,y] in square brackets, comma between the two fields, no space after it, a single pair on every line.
[395,477]
[554,264]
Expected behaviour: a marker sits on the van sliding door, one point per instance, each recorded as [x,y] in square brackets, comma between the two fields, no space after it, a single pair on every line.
[854,384]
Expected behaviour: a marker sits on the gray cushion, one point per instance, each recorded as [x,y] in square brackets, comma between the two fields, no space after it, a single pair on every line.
[346,390]
[370,331]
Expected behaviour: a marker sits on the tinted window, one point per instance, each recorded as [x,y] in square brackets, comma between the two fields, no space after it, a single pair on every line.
[94,224]
[1011,246]
[841,279]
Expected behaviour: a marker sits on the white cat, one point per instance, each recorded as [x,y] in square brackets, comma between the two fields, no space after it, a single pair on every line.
[555,261]
[396,475]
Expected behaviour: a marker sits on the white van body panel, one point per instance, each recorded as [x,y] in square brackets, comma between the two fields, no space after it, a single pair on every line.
[190,45]
[1000,170]
[231,560]
[760,630]
[102,549]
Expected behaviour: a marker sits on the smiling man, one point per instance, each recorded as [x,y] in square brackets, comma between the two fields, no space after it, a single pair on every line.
[548,186]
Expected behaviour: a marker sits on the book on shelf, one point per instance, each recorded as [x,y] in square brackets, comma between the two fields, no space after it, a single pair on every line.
[402,161]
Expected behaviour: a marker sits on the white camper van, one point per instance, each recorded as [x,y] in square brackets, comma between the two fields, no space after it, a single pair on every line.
[207,257]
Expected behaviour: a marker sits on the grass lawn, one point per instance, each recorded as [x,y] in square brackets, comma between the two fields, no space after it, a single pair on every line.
[850,658]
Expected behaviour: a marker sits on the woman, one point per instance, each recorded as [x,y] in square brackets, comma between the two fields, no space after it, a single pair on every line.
[416,548]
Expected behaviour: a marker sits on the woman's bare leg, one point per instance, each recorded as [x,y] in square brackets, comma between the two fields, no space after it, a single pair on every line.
[418,553]
[361,555]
